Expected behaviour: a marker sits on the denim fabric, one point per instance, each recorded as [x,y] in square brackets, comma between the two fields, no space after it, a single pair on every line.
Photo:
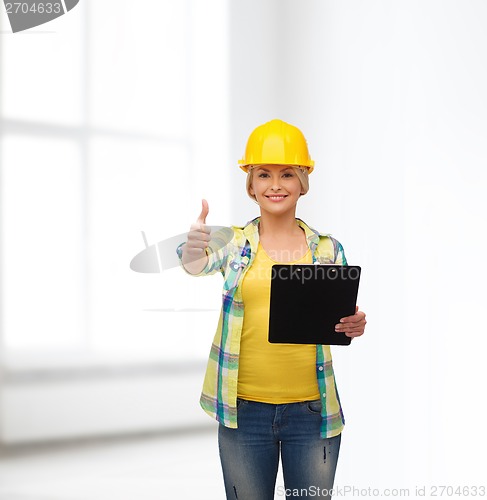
[250,454]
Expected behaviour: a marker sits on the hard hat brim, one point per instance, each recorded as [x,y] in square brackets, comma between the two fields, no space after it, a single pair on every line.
[245,166]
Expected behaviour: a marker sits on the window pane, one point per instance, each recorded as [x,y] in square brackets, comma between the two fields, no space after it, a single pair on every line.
[41,234]
[41,77]
[209,108]
[132,183]
[141,186]
[138,66]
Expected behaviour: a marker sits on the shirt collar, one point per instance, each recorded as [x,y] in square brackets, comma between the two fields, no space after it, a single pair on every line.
[251,231]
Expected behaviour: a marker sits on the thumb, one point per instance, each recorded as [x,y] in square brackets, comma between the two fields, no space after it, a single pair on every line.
[204,212]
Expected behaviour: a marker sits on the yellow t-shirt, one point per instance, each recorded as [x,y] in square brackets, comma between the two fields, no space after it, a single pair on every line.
[271,373]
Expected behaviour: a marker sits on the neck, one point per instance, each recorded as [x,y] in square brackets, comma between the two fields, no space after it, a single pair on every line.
[278,225]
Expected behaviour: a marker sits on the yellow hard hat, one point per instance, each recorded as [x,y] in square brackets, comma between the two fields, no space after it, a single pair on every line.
[276,143]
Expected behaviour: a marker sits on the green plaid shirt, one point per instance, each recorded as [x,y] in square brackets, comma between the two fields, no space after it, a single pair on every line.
[232,256]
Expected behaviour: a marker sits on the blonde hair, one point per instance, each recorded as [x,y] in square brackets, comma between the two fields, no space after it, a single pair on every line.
[301,172]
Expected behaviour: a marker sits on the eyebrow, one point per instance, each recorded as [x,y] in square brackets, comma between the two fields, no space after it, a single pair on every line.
[267,170]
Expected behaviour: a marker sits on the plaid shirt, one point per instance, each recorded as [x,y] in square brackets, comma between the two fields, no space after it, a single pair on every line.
[233,255]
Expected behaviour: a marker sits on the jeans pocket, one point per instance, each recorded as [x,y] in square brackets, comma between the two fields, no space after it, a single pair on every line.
[240,402]
[314,406]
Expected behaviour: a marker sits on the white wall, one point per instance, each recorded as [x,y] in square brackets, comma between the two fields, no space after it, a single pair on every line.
[391,98]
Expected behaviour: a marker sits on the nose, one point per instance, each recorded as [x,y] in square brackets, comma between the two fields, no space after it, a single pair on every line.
[275,184]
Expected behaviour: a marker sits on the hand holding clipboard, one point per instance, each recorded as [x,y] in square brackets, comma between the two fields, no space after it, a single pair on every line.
[308,301]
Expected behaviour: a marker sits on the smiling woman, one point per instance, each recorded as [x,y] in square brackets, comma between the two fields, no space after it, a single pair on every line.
[269,399]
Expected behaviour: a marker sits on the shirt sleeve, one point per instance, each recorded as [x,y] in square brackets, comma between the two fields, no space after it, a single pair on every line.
[340,258]
[218,250]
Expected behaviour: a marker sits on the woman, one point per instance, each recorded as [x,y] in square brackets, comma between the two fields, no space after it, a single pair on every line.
[270,399]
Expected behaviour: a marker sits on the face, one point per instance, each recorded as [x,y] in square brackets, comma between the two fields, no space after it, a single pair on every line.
[276,187]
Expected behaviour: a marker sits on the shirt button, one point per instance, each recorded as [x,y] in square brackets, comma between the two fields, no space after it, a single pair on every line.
[320,368]
[324,394]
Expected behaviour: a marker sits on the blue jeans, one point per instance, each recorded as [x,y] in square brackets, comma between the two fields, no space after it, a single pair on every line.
[250,454]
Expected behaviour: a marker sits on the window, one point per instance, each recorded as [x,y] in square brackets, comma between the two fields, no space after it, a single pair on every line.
[108,126]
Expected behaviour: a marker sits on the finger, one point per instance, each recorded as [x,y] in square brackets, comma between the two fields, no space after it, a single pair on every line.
[358,316]
[342,327]
[197,253]
[196,247]
[199,228]
[349,327]
[202,234]
[354,334]
[197,243]
[193,257]
[354,331]
[204,212]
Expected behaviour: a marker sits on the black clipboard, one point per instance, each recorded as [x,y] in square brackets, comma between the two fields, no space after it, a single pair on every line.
[308,300]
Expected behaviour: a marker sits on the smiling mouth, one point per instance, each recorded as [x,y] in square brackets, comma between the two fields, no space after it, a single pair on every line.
[276,197]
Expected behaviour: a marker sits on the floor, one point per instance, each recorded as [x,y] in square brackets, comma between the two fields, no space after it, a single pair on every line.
[156,467]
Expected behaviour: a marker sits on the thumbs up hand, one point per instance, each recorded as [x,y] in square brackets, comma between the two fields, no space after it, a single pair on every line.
[204,213]
[199,234]
[194,256]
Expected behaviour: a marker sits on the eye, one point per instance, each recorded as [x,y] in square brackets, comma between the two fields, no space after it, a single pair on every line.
[288,174]
[263,174]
